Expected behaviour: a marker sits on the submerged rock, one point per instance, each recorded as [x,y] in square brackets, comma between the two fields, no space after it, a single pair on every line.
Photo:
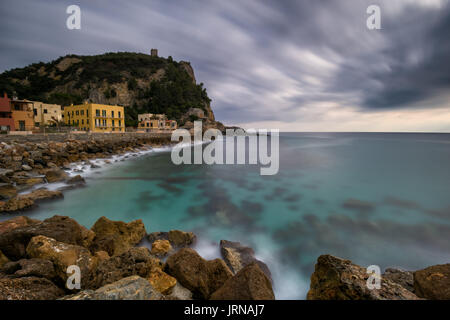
[200,276]
[250,283]
[238,256]
[29,288]
[77,180]
[116,237]
[338,279]
[130,288]
[433,282]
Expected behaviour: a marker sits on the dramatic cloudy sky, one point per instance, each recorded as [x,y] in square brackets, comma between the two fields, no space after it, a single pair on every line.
[296,65]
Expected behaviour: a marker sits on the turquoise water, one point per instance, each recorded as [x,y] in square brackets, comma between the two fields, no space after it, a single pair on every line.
[402,183]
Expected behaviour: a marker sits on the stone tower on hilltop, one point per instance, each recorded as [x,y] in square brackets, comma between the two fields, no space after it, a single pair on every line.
[154,52]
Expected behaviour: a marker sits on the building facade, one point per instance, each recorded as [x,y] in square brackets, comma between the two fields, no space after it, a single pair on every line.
[46,114]
[155,122]
[95,117]
[22,114]
[6,119]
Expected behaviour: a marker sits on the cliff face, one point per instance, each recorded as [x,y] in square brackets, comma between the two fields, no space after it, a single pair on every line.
[140,82]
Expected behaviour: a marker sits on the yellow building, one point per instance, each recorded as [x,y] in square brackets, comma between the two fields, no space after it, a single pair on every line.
[95,117]
[46,114]
[155,123]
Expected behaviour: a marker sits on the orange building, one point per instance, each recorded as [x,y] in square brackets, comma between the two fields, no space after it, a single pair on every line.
[6,120]
[22,114]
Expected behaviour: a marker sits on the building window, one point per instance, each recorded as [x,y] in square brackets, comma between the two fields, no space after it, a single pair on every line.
[97,113]
[87,121]
[35,112]
[112,114]
[82,112]
[120,115]
[82,121]
[87,113]
[72,113]
[113,123]
[120,123]
[77,113]
[103,113]
[45,110]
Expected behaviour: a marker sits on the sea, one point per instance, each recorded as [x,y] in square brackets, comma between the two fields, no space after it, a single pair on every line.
[374,198]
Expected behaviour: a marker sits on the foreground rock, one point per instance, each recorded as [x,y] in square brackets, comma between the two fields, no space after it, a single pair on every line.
[56,175]
[250,283]
[16,222]
[30,268]
[13,243]
[433,282]
[15,205]
[339,279]
[200,276]
[3,259]
[116,237]
[401,277]
[136,261]
[42,194]
[29,288]
[130,288]
[238,256]
[62,255]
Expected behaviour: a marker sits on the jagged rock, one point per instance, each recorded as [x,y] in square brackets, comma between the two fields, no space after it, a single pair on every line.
[200,276]
[161,281]
[56,175]
[401,277]
[250,283]
[62,255]
[26,167]
[433,282]
[29,288]
[338,279]
[16,204]
[76,180]
[135,261]
[7,191]
[161,248]
[181,239]
[238,256]
[131,288]
[16,222]
[14,242]
[30,268]
[116,237]
[3,259]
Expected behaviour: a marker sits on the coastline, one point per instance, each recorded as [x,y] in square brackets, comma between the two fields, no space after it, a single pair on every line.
[36,171]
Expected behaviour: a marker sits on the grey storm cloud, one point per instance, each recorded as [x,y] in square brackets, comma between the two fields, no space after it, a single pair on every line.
[260,60]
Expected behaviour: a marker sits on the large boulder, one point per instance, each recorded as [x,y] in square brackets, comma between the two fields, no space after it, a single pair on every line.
[136,261]
[56,175]
[64,229]
[130,288]
[250,283]
[161,248]
[16,222]
[200,276]
[433,282]
[29,288]
[238,256]
[62,255]
[30,268]
[7,191]
[116,237]
[338,279]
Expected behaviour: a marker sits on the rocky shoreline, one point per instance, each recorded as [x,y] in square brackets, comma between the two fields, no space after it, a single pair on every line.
[26,165]
[114,264]
[35,256]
